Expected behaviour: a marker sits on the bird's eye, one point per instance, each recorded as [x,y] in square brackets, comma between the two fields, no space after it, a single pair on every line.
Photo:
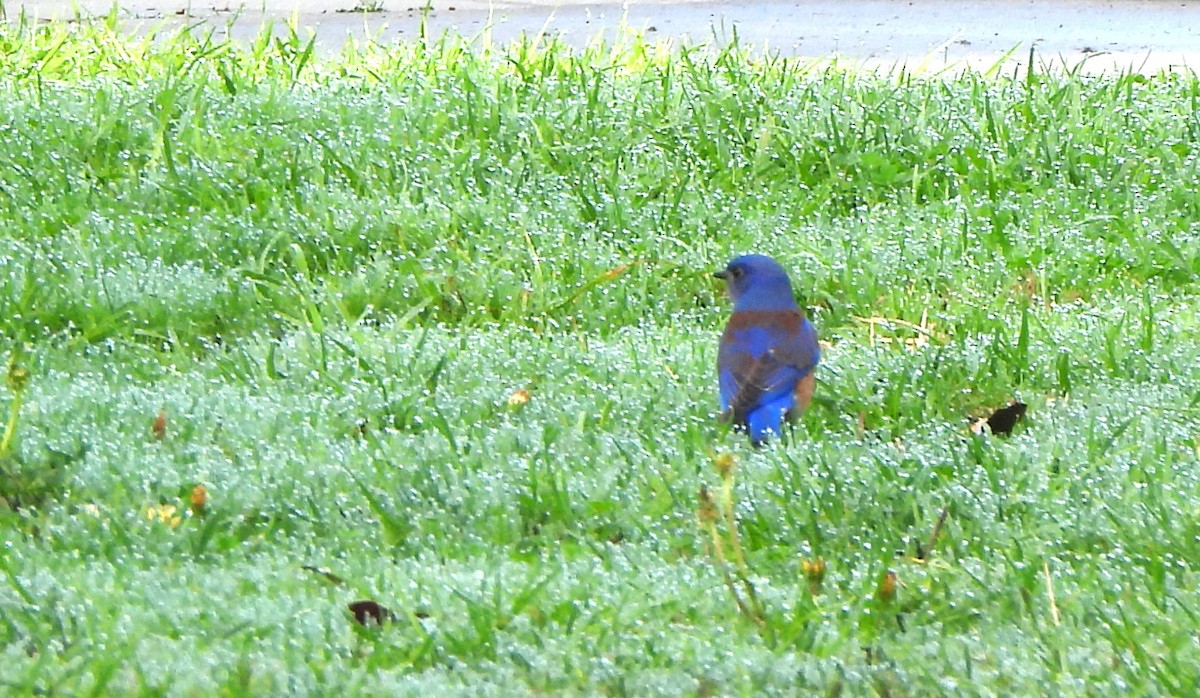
[736,272]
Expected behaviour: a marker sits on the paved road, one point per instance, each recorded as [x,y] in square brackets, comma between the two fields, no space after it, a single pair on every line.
[1144,35]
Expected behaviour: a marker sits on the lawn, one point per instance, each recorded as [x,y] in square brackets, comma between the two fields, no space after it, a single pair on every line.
[434,326]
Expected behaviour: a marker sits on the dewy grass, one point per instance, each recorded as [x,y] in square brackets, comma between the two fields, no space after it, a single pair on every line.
[436,320]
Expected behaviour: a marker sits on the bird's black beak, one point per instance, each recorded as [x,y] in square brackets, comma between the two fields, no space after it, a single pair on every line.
[721,274]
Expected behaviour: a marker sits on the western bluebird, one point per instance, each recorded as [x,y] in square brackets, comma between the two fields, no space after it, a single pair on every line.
[768,351]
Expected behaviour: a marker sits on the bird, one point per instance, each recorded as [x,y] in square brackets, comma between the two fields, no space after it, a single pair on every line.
[768,352]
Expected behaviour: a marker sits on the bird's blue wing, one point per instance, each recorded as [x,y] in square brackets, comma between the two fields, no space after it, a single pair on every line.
[762,357]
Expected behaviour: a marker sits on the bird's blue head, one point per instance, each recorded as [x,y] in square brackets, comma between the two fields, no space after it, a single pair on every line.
[757,282]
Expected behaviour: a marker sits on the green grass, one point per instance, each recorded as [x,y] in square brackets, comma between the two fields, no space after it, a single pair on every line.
[330,273]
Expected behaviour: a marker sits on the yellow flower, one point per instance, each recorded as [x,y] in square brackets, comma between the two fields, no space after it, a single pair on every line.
[707,511]
[724,463]
[814,571]
[164,513]
[518,398]
[199,499]
[18,376]
[886,591]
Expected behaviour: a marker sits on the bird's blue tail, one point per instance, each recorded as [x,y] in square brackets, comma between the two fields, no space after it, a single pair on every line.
[768,419]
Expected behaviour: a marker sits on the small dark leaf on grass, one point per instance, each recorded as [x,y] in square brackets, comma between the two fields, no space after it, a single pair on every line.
[159,428]
[367,612]
[1004,419]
